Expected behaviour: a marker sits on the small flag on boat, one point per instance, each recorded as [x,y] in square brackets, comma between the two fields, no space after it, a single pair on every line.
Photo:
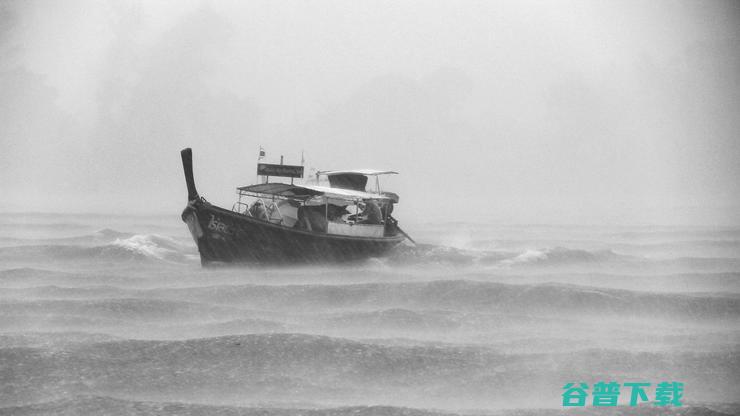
[262,154]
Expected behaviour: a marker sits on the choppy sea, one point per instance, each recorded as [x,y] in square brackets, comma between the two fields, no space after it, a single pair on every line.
[114,315]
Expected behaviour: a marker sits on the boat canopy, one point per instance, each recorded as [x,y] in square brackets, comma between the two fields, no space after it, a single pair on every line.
[305,192]
[281,189]
[349,194]
[352,179]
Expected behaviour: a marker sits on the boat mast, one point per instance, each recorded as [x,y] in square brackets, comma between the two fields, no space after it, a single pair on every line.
[260,157]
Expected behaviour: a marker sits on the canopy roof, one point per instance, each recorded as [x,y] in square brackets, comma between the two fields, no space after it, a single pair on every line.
[349,194]
[308,191]
[355,180]
[281,189]
[368,172]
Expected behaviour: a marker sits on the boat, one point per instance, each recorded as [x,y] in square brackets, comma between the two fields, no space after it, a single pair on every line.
[283,223]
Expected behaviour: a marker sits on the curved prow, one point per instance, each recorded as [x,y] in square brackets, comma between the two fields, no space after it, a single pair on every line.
[187,167]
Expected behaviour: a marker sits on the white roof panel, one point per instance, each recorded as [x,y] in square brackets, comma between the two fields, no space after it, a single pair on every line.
[341,193]
[307,191]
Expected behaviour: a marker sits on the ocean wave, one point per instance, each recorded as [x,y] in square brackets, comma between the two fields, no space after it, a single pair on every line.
[130,309]
[55,329]
[561,255]
[102,236]
[426,253]
[113,406]
[22,273]
[51,340]
[30,277]
[96,405]
[44,226]
[400,301]
[463,295]
[330,370]
[153,246]
[396,319]
[139,247]
[667,234]
[42,253]
[60,292]
[110,233]
[554,258]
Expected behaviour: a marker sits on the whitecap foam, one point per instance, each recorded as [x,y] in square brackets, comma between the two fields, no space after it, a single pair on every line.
[527,257]
[108,233]
[152,246]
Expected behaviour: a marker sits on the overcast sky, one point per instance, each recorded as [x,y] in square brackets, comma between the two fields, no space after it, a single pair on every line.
[623,112]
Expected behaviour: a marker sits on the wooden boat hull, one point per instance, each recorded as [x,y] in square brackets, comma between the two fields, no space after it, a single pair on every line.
[224,236]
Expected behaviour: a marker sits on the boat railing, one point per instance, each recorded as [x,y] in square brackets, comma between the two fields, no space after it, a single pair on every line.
[241,208]
[274,214]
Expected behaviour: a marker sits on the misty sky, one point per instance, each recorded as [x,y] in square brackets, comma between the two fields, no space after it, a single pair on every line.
[624,112]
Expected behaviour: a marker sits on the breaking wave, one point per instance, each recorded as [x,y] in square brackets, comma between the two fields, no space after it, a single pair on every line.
[425,253]
[112,245]
[560,255]
[122,247]
[101,236]
[107,233]
[437,254]
[552,258]
[153,246]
